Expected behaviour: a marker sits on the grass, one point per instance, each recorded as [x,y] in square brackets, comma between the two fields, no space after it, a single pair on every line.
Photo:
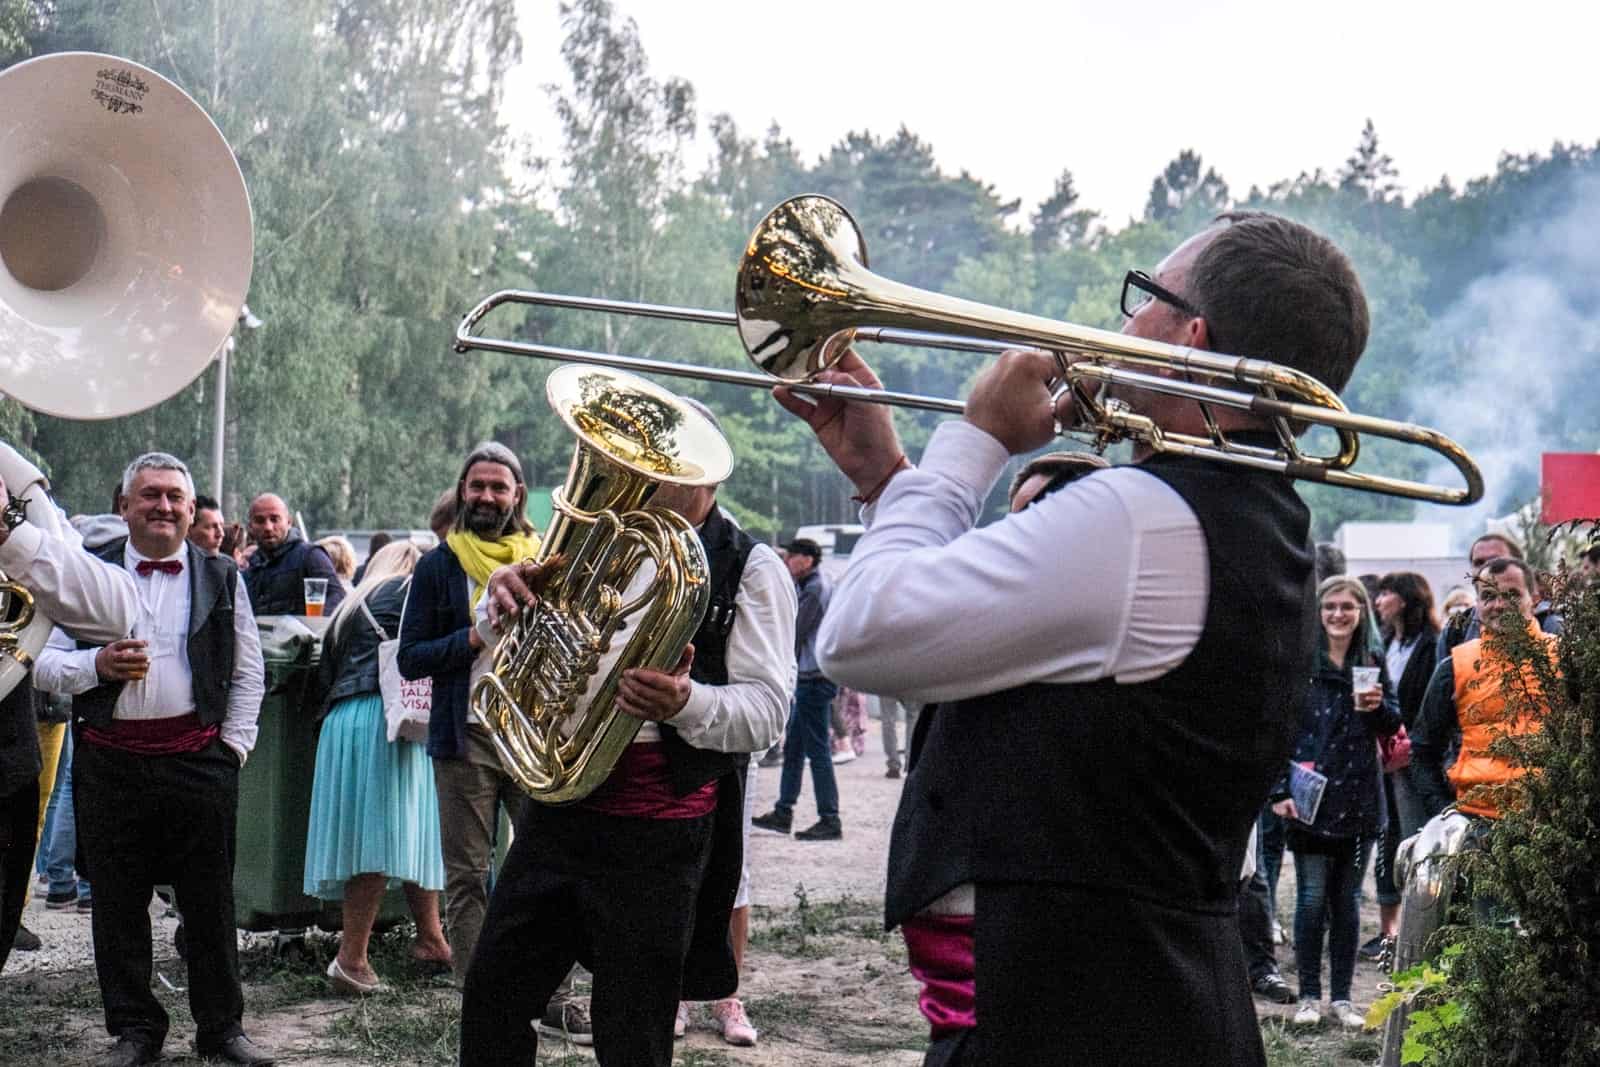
[1288,1046]
[400,1028]
[814,930]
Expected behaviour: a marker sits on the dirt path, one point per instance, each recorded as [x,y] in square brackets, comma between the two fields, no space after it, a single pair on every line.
[823,983]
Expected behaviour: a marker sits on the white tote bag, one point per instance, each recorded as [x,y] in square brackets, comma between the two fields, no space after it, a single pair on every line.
[406,703]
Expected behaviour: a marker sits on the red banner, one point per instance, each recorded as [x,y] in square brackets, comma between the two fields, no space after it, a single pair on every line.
[1570,486]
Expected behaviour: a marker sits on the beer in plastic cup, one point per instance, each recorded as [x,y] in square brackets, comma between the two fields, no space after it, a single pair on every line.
[316,595]
[1363,679]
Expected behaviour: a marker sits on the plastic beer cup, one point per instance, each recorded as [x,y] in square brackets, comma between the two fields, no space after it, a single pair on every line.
[316,595]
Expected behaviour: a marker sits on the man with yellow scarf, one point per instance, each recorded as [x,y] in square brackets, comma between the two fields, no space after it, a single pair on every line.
[438,641]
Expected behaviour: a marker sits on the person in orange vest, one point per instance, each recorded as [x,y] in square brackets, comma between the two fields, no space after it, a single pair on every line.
[1465,707]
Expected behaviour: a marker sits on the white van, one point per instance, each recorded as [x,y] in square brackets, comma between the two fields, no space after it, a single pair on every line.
[837,541]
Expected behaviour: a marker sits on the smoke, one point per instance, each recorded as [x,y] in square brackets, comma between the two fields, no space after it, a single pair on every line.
[1517,354]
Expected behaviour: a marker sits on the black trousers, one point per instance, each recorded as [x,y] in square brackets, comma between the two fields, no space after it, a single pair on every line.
[145,821]
[19,822]
[617,895]
[1078,979]
[1255,927]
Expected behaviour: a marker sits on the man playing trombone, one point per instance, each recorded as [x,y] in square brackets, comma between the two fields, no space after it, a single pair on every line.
[1112,715]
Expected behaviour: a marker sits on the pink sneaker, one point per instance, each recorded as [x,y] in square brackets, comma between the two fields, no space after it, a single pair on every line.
[734,1023]
[680,1025]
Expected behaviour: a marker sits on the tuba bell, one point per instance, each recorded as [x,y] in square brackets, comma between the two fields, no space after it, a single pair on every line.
[125,255]
[629,590]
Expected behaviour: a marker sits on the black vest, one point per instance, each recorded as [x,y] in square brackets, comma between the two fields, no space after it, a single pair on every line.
[212,581]
[727,548]
[1144,791]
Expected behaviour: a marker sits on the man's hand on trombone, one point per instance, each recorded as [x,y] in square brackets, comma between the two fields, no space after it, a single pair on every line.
[1015,401]
[859,437]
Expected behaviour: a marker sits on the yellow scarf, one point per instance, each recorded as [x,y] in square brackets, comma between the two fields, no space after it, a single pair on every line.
[480,558]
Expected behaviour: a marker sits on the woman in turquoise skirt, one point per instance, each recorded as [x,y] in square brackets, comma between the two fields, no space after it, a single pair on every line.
[374,812]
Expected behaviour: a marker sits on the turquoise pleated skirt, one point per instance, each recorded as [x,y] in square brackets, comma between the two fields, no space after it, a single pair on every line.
[373,805]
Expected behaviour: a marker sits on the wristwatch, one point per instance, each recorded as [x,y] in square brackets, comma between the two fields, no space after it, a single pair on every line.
[15,513]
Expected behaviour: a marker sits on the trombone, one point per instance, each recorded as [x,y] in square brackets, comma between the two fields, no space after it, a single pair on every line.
[804,295]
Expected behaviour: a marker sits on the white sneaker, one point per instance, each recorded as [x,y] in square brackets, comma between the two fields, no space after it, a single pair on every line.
[845,756]
[1308,1014]
[1279,937]
[680,1025]
[1347,1015]
[736,1029]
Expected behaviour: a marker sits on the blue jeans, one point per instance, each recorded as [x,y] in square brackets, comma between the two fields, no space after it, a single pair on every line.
[1326,882]
[807,738]
[41,855]
[61,831]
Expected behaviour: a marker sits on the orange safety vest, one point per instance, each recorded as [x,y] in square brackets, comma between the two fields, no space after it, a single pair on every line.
[1480,673]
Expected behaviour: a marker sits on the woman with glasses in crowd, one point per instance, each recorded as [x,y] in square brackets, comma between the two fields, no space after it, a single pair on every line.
[1339,729]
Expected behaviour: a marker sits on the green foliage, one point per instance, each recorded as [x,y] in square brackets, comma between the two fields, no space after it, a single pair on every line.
[1182,192]
[1426,991]
[16,18]
[1525,989]
[388,201]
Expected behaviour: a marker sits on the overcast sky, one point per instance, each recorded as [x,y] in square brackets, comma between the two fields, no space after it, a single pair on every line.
[1014,91]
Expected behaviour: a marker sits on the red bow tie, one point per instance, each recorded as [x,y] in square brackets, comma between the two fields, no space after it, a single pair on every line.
[165,566]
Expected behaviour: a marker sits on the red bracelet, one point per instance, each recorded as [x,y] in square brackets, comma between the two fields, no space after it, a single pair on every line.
[899,465]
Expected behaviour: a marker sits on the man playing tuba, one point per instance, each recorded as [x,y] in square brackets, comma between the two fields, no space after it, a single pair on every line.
[638,880]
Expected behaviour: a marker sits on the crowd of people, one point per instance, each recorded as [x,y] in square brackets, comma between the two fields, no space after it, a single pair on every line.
[1107,695]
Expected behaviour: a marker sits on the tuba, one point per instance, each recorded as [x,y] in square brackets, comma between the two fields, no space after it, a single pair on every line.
[629,589]
[125,255]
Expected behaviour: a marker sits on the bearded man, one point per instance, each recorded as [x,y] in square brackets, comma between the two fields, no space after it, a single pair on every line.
[438,641]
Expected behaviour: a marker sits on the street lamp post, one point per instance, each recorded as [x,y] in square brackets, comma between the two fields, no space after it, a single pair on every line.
[247,321]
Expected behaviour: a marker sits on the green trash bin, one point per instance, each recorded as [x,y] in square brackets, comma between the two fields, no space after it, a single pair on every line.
[275,790]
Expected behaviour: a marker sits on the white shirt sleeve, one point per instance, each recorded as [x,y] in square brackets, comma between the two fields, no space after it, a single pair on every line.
[64,668]
[93,600]
[1107,577]
[747,714]
[249,683]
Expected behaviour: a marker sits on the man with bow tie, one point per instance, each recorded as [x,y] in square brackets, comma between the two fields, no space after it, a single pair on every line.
[163,721]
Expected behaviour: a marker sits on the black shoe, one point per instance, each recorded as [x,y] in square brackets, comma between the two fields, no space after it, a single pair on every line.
[1274,988]
[892,772]
[774,820]
[67,898]
[26,941]
[1377,950]
[237,1049]
[129,1053]
[828,828]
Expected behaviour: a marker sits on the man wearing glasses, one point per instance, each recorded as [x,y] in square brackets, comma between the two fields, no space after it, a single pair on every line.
[1118,670]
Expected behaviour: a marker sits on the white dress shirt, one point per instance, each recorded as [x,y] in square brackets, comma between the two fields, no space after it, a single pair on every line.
[1107,577]
[747,714]
[93,600]
[167,691]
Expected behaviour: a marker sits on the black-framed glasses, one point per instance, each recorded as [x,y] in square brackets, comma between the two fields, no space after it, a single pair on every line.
[1138,289]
